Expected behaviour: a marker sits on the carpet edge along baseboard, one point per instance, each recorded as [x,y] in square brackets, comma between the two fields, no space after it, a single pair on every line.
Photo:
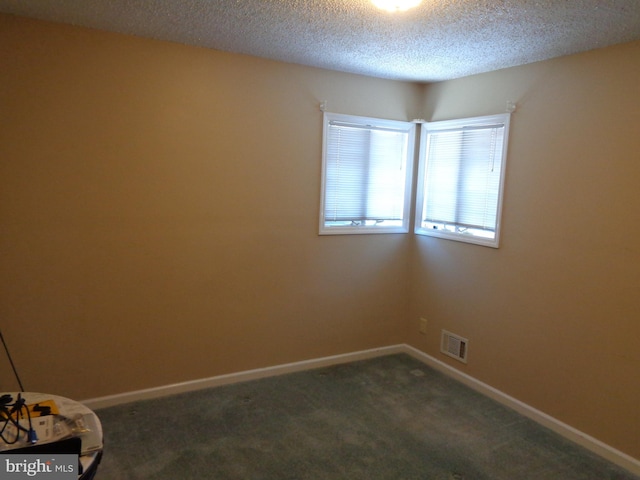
[570,433]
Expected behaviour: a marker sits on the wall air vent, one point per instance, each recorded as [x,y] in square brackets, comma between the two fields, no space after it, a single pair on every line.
[454,346]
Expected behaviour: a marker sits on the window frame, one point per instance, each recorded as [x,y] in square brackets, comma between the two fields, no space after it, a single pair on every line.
[428,128]
[408,164]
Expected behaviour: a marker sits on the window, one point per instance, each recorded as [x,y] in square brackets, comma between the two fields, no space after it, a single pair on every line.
[461,177]
[366,175]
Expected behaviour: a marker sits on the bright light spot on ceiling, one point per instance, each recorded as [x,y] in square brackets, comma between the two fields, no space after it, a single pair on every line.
[396,5]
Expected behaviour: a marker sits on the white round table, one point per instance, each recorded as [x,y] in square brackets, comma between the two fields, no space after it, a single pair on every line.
[72,419]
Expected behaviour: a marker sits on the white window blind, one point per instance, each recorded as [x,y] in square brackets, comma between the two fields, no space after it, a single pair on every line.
[366,175]
[462,173]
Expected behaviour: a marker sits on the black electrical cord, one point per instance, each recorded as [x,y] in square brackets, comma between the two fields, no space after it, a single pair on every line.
[15,372]
[12,417]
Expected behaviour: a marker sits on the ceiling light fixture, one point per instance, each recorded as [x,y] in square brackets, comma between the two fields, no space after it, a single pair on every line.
[396,5]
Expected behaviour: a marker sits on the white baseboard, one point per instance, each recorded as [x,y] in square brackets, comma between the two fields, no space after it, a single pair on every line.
[590,443]
[576,436]
[217,381]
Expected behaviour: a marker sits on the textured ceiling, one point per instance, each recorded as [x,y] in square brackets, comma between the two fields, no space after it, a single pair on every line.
[439,40]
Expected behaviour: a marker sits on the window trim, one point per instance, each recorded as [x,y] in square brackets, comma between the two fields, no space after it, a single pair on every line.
[429,127]
[396,125]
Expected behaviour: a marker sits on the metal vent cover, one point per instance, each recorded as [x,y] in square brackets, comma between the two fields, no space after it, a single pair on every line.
[454,346]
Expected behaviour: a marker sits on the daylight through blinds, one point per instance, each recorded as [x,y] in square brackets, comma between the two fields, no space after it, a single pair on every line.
[365,173]
[463,176]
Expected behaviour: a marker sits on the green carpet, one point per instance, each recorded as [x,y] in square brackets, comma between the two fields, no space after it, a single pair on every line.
[386,418]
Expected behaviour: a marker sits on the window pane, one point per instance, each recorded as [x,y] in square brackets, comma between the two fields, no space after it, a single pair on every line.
[347,162]
[386,178]
[462,176]
[366,173]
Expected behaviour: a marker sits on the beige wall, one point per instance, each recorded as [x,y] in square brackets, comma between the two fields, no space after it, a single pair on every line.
[158,207]
[553,316]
